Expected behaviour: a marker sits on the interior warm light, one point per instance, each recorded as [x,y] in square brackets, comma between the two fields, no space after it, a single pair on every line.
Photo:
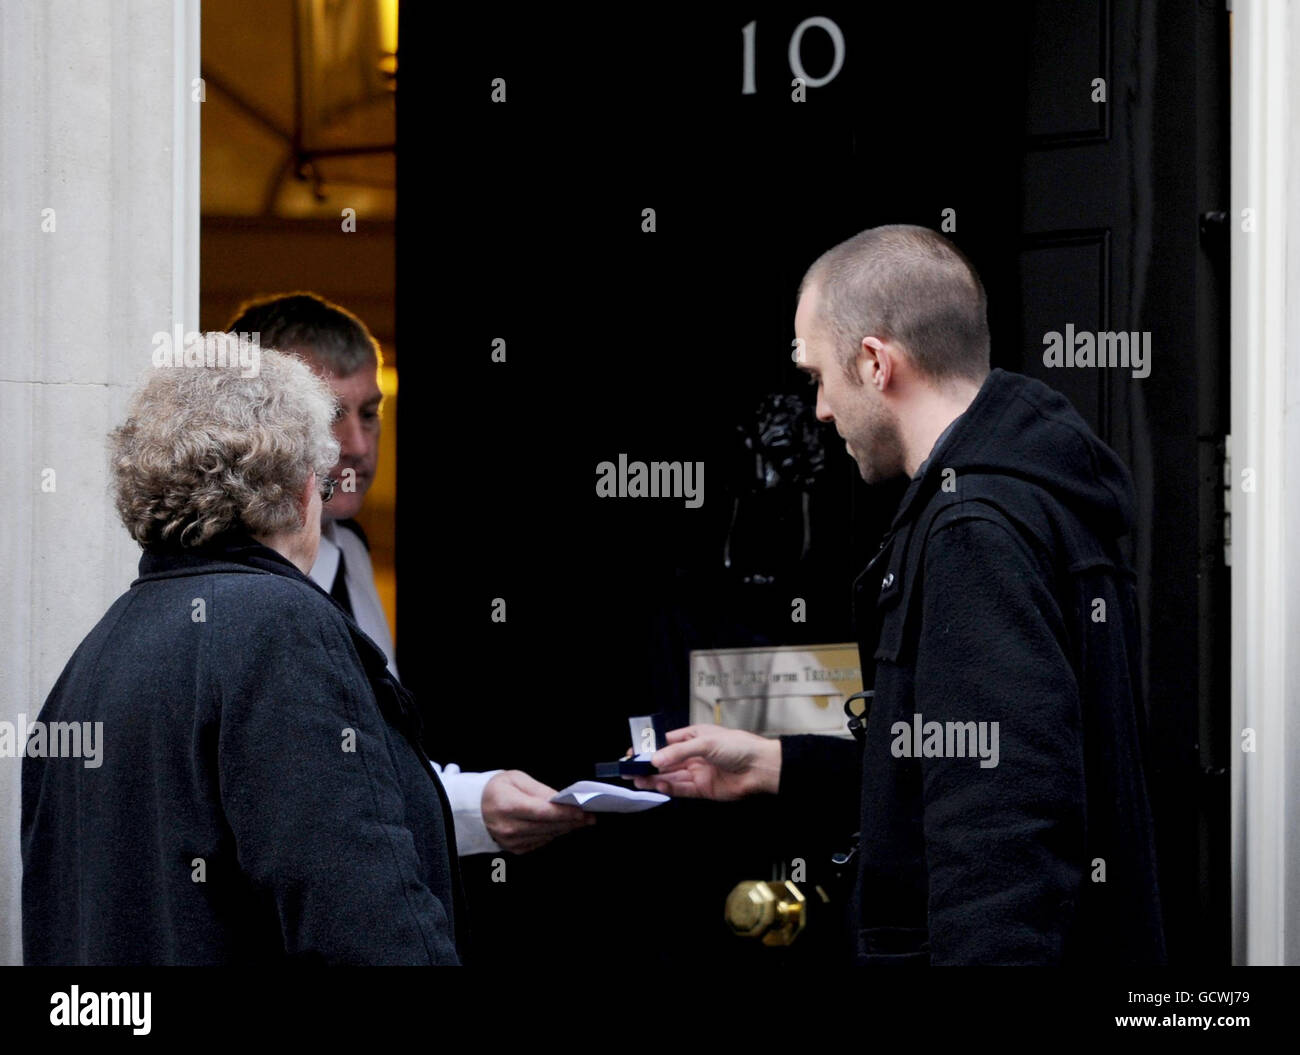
[388,35]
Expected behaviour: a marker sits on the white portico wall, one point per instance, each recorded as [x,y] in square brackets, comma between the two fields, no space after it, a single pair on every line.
[97,123]
[1265,481]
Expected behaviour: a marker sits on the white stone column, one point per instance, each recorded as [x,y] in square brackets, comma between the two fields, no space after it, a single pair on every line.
[99,213]
[1265,483]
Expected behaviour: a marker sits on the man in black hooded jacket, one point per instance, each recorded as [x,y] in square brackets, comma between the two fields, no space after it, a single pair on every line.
[1003,811]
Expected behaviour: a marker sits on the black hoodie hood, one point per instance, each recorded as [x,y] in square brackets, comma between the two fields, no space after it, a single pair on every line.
[1017,426]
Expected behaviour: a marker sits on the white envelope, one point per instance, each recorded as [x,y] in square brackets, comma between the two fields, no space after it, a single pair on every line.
[595,797]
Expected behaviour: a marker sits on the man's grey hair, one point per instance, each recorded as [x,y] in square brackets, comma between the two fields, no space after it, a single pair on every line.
[909,285]
[310,325]
[205,450]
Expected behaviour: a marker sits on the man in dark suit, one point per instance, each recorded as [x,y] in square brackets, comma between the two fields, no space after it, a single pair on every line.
[494,810]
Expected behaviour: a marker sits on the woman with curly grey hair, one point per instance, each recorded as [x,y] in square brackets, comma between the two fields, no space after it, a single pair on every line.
[260,791]
[206,450]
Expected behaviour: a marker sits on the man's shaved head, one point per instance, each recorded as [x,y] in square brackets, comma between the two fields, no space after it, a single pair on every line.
[909,285]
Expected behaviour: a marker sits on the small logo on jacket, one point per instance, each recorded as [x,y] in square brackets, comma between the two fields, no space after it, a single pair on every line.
[76,1008]
[922,739]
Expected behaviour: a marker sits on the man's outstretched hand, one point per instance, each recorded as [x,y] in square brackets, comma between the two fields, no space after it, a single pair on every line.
[710,762]
[520,815]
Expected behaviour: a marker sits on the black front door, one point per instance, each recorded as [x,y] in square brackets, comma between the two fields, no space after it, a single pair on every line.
[524,221]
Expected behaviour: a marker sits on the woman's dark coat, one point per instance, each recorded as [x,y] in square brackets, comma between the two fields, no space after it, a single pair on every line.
[262,792]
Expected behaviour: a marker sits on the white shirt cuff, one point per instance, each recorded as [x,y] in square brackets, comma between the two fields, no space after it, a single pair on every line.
[465,793]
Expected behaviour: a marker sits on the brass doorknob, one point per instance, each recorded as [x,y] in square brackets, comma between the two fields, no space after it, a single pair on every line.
[775,912]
